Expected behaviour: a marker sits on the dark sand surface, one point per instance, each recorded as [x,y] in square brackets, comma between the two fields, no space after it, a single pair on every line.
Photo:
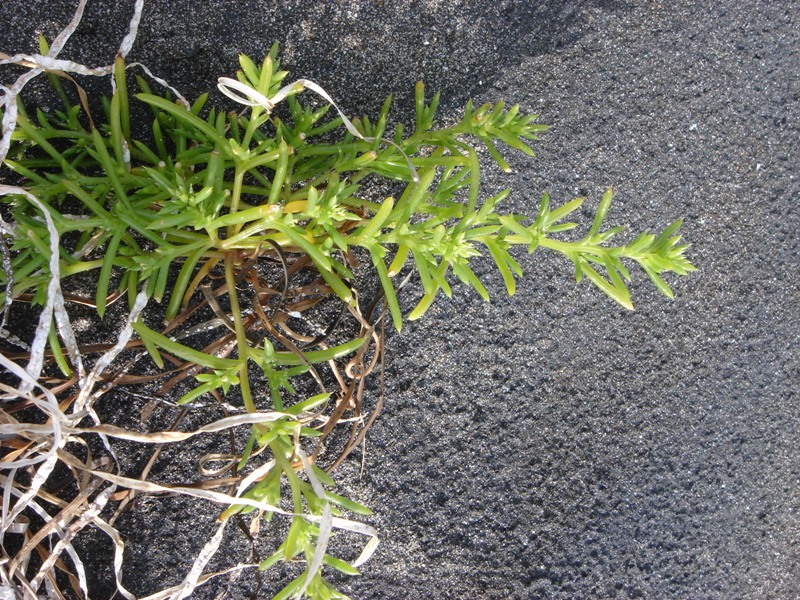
[553,445]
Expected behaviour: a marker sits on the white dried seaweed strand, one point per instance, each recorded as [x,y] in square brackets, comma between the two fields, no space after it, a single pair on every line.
[36,361]
[325,525]
[249,96]
[190,582]
[105,361]
[85,518]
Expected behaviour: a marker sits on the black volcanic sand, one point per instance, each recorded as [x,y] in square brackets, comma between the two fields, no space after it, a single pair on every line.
[552,444]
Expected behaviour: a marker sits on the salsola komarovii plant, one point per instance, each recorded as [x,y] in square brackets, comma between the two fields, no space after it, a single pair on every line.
[254,236]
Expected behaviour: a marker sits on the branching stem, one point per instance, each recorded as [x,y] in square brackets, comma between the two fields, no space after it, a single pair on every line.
[241,338]
[238,180]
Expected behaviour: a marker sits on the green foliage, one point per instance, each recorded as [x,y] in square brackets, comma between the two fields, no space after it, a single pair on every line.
[215,192]
[654,254]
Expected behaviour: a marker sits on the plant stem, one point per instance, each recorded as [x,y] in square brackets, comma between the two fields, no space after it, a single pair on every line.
[241,337]
[568,248]
[238,180]
[252,125]
[285,466]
